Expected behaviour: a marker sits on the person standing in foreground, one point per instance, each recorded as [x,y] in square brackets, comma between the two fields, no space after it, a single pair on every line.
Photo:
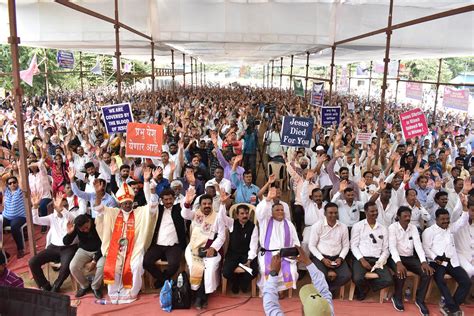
[125,235]
[316,298]
[7,277]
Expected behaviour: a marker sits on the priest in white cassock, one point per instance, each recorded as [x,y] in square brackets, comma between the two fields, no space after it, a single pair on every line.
[276,232]
[202,253]
[125,233]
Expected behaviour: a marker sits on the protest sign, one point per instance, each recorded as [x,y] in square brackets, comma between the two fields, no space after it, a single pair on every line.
[144,140]
[297,131]
[65,59]
[413,123]
[298,85]
[457,99]
[414,90]
[116,117]
[364,138]
[317,94]
[350,106]
[330,115]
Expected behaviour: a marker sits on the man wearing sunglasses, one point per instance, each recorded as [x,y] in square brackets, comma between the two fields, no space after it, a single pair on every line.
[14,213]
[369,245]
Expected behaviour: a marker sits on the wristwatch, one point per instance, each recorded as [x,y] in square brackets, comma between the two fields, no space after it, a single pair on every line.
[273,273]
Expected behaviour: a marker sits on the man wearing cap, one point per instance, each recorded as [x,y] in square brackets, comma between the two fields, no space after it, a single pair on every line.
[125,234]
[316,299]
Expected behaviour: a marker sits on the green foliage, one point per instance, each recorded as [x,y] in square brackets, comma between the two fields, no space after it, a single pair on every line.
[63,79]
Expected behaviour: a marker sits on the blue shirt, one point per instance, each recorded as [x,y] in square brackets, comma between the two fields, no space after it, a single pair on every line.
[422,194]
[243,192]
[13,205]
[271,305]
[160,186]
[108,200]
[250,143]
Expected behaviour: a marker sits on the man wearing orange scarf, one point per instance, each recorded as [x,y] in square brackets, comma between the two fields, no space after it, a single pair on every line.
[125,233]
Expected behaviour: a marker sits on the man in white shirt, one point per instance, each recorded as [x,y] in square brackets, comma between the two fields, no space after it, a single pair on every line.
[243,244]
[438,243]
[168,241]
[464,240]
[219,179]
[386,206]
[56,250]
[274,200]
[418,212]
[369,245]
[329,245]
[439,199]
[202,253]
[349,209]
[313,209]
[403,241]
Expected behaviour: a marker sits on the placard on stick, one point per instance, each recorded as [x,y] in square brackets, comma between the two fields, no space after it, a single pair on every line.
[144,140]
[297,131]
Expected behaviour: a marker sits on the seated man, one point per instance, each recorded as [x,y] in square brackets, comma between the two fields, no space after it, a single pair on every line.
[329,245]
[276,232]
[441,252]
[464,240]
[403,241]
[315,298]
[87,253]
[207,238]
[246,191]
[369,245]
[7,277]
[243,244]
[169,240]
[56,250]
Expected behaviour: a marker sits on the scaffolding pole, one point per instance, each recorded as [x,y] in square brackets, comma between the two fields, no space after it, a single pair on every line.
[437,89]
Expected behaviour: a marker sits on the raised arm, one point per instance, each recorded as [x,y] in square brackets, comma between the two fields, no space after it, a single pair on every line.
[186,207]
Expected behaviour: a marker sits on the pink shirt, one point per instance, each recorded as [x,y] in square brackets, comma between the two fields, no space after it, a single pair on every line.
[39,182]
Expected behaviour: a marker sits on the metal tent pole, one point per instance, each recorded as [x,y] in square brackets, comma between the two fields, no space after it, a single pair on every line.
[291,72]
[172,70]
[192,77]
[370,82]
[14,40]
[152,67]
[273,65]
[281,71]
[437,89]
[306,76]
[333,48]
[398,81]
[81,74]
[117,53]
[384,83]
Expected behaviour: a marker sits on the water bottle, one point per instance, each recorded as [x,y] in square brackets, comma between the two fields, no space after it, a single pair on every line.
[407,294]
[180,280]
[102,301]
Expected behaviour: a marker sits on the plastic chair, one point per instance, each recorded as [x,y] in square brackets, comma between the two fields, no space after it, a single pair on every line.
[22,229]
[279,170]
[369,276]
[332,274]
[447,278]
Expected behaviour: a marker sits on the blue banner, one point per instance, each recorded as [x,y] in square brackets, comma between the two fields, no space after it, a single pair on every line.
[65,59]
[116,117]
[297,131]
[330,115]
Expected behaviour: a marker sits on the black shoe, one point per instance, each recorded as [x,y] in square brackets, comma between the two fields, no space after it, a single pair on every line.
[204,304]
[397,304]
[159,284]
[81,292]
[198,303]
[97,293]
[422,308]
[362,294]
[55,289]
[46,287]
[44,229]
[444,310]
[235,288]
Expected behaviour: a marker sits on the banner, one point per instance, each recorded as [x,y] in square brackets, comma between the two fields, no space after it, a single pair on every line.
[350,106]
[330,115]
[298,85]
[28,74]
[297,131]
[116,117]
[65,59]
[413,123]
[414,90]
[457,99]
[144,140]
[97,69]
[344,81]
[317,94]
[364,138]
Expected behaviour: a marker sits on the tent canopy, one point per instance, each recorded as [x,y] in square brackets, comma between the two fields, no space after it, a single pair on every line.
[247,31]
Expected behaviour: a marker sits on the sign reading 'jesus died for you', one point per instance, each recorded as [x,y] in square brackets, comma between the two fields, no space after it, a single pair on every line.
[297,131]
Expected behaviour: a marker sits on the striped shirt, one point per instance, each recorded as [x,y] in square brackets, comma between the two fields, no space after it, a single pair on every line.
[14,206]
[10,279]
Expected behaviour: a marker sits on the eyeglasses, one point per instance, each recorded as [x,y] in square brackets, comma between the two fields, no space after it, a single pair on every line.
[373,238]
[12,182]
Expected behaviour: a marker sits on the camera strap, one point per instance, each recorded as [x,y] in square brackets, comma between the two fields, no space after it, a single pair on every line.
[263,250]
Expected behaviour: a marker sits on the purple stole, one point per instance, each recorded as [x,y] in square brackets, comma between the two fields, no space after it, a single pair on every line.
[285,265]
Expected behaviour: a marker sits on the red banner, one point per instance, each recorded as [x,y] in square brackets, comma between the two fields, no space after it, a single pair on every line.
[456,99]
[144,140]
[414,90]
[413,123]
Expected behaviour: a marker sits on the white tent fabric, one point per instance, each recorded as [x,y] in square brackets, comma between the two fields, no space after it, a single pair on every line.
[247,31]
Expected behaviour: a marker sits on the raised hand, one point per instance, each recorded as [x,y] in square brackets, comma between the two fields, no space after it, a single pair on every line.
[113,167]
[382,185]
[58,201]
[146,174]
[438,184]
[35,199]
[190,195]
[343,185]
[272,193]
[172,166]
[467,185]
[361,184]
[157,172]
[224,197]
[271,178]
[71,173]
[70,227]
[406,176]
[310,175]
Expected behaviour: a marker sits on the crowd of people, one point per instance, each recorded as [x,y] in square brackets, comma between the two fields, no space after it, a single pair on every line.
[209,199]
